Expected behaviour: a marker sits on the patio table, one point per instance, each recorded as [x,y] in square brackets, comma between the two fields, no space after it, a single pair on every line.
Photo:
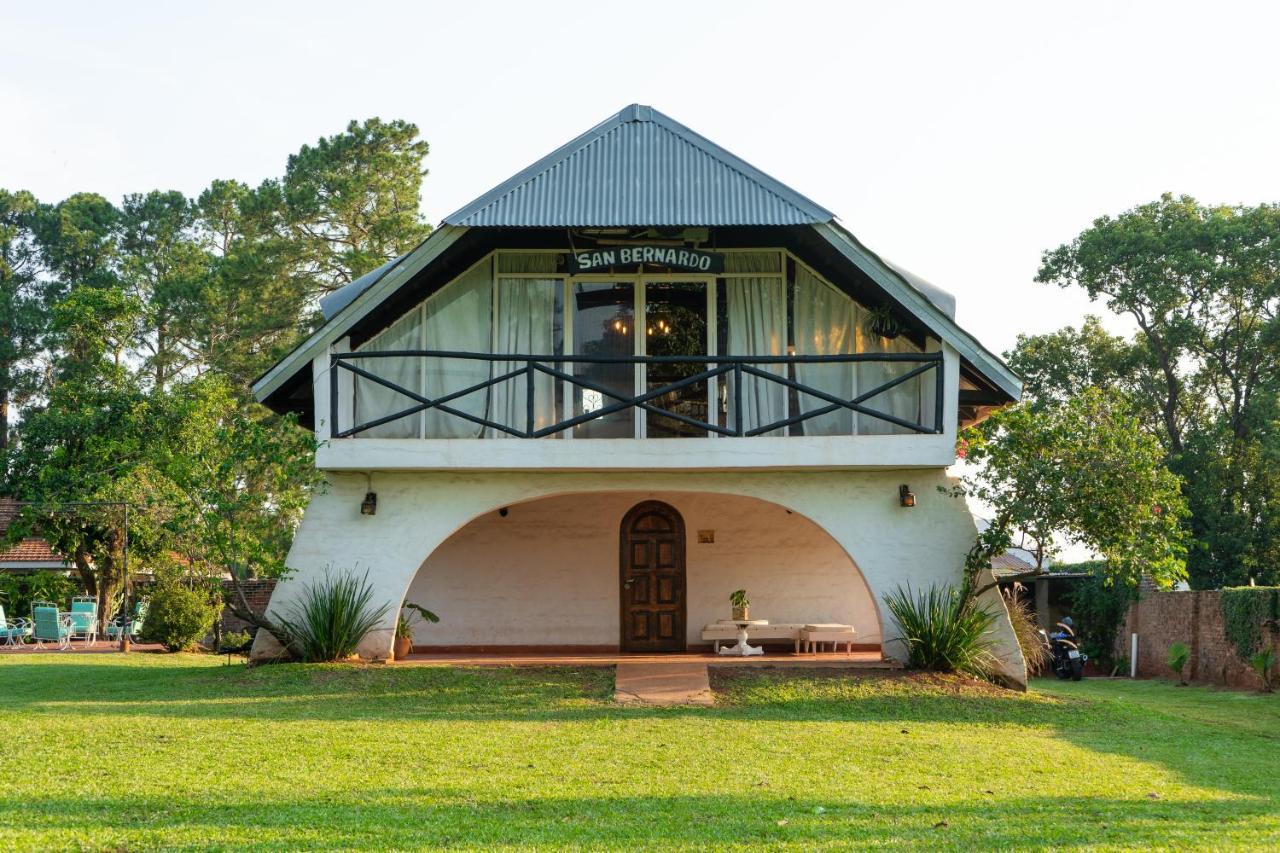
[742,649]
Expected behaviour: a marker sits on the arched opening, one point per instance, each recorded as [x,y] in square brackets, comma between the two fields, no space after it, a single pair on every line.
[548,574]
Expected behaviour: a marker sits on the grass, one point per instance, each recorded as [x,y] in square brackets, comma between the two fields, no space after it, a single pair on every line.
[174,752]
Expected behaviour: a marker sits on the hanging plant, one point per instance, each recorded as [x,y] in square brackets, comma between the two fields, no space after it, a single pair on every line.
[882,322]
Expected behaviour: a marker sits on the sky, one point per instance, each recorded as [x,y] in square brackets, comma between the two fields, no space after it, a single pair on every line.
[959,140]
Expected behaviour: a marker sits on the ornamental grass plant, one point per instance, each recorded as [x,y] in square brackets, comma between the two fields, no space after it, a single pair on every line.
[1023,618]
[332,618]
[943,632]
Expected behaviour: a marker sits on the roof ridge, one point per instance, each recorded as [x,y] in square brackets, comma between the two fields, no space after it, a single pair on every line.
[803,208]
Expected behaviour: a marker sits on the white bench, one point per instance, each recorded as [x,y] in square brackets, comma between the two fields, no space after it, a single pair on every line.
[829,632]
[725,631]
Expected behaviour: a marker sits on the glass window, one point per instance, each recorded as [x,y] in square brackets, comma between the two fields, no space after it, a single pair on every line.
[604,326]
[676,325]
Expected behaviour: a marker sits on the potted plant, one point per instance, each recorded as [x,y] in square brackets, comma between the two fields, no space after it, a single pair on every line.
[404,638]
[740,603]
[882,322]
[404,630]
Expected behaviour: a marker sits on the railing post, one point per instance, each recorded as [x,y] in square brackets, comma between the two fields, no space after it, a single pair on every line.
[333,395]
[528,387]
[738,428]
[939,379]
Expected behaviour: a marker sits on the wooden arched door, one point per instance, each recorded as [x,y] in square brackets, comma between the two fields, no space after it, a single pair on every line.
[652,578]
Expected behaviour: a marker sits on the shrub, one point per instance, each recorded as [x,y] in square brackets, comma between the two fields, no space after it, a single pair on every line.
[1179,654]
[180,613]
[235,639]
[18,591]
[1246,610]
[942,633]
[332,618]
[1263,662]
[1023,617]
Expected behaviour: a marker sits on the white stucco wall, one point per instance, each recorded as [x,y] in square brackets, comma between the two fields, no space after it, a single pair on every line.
[419,511]
[547,573]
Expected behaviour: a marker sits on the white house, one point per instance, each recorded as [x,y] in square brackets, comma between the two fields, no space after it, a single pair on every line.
[636,376]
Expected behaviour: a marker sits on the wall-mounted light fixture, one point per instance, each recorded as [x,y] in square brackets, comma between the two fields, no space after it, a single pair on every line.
[906,497]
[369,506]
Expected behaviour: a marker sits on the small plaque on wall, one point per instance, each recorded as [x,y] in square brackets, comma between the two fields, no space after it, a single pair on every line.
[706,537]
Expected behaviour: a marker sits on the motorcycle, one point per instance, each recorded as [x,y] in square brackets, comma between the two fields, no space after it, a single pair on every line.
[1064,651]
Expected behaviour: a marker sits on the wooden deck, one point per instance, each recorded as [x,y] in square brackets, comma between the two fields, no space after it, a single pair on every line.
[839,660]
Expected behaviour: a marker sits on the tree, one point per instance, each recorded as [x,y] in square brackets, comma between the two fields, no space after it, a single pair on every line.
[164,268]
[21,308]
[352,200]
[1083,470]
[1203,285]
[255,304]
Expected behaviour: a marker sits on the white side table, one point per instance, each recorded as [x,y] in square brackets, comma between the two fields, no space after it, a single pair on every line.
[742,649]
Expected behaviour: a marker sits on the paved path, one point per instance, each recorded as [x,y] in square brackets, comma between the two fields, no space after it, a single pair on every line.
[662,684]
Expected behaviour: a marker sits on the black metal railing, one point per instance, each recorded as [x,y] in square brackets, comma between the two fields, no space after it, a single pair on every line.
[736,367]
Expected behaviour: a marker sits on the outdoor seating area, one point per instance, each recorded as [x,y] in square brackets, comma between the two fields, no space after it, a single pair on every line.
[50,627]
[806,638]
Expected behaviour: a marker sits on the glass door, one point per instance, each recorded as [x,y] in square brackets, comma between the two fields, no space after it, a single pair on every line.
[604,324]
[675,324]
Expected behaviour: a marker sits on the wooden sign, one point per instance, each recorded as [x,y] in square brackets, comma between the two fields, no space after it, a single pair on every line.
[692,260]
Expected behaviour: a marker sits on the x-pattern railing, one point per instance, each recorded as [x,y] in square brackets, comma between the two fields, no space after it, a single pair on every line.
[717,366]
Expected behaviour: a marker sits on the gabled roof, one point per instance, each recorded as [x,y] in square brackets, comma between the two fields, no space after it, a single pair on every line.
[639,167]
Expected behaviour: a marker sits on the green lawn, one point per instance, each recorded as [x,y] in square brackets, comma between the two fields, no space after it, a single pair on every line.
[152,751]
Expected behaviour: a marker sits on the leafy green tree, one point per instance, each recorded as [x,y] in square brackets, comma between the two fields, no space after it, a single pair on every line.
[165,269]
[352,200]
[1082,470]
[1203,286]
[22,315]
[79,243]
[255,304]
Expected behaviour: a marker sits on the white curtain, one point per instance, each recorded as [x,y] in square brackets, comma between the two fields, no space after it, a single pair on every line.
[459,320]
[902,400]
[757,309]
[374,400]
[526,323]
[826,323]
[456,319]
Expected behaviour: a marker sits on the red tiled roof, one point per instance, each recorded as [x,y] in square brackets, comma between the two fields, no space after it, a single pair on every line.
[32,549]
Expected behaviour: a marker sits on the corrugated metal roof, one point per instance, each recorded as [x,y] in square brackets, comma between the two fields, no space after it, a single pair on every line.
[332,303]
[640,167]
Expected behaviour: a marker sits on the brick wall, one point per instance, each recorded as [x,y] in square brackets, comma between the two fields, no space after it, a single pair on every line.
[258,592]
[1195,618]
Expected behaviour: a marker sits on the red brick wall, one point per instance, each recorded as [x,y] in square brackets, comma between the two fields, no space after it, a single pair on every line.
[1195,618]
[258,592]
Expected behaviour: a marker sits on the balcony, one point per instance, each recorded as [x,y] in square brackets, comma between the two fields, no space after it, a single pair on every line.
[743,412]
[668,399]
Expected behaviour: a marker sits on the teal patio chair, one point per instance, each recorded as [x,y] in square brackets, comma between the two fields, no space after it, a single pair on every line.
[84,619]
[13,633]
[132,627]
[50,625]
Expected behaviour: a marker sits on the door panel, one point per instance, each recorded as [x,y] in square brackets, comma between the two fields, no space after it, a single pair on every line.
[604,325]
[676,325]
[652,574]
